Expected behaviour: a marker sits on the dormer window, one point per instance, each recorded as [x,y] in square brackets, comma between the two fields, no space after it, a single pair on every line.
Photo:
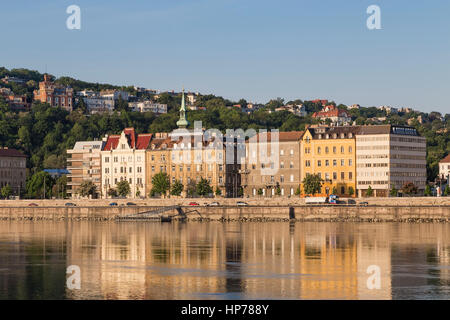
[350,135]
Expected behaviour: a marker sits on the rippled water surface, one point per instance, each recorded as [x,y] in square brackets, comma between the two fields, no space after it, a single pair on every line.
[140,260]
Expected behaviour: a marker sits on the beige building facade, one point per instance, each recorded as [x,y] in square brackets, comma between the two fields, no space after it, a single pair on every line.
[270,168]
[84,164]
[389,156]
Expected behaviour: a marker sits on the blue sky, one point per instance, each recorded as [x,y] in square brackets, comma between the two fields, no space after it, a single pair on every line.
[249,49]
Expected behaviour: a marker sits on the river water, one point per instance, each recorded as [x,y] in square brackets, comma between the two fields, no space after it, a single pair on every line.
[270,260]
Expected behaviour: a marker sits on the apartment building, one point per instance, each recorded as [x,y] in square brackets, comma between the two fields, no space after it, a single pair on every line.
[187,160]
[389,156]
[148,106]
[123,158]
[54,94]
[272,168]
[330,152]
[13,164]
[84,164]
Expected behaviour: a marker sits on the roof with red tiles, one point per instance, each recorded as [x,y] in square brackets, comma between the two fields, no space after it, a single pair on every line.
[445,160]
[332,112]
[111,142]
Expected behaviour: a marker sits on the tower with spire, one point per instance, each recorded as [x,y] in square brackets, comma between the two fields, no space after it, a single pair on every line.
[182,122]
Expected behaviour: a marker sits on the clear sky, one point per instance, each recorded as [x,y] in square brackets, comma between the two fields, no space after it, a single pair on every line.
[252,49]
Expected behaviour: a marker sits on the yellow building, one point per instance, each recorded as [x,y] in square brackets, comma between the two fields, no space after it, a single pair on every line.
[330,153]
[187,163]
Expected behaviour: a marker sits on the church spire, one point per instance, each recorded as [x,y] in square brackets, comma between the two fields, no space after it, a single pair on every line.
[182,123]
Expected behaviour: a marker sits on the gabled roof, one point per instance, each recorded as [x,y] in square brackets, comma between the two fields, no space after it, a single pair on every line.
[111,142]
[446,159]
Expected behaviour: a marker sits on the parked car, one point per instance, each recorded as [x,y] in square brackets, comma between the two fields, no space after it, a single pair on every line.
[33,204]
[241,203]
[193,204]
[113,204]
[70,204]
[131,204]
[364,203]
[351,201]
[213,204]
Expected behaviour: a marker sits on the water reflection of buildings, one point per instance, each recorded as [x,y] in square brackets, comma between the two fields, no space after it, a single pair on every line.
[174,261]
[227,260]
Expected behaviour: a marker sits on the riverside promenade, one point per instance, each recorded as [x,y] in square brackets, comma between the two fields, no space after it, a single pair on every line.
[426,209]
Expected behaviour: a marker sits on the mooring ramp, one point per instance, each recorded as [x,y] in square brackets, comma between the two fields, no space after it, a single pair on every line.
[155,214]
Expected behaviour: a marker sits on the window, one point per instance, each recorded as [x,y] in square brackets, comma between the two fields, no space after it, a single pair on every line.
[334,163]
[153,168]
[282,165]
[153,157]
[319,150]
[130,169]
[106,159]
[292,152]
[342,149]
[350,175]
[334,176]
[327,163]
[308,163]
[342,175]
[334,150]
[342,162]
[291,165]
[292,178]
[319,163]
[350,162]
[131,180]
[327,150]
[282,178]
[282,152]
[342,190]
[350,149]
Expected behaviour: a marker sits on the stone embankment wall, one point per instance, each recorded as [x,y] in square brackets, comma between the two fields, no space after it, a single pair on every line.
[232,213]
[275,201]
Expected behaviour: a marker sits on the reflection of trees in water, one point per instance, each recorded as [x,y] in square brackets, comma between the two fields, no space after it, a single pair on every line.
[33,270]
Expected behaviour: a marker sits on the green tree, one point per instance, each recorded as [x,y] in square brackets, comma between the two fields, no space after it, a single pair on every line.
[161,183]
[312,184]
[218,191]
[351,191]
[278,190]
[123,188]
[369,191]
[6,191]
[334,191]
[427,191]
[87,188]
[203,188]
[393,192]
[260,192]
[112,192]
[39,185]
[177,188]
[298,191]
[447,190]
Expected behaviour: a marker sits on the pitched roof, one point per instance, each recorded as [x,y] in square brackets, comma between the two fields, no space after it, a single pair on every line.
[143,140]
[111,142]
[332,112]
[11,153]
[338,131]
[446,159]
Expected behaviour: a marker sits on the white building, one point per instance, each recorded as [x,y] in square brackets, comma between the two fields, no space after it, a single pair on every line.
[389,156]
[123,158]
[99,104]
[444,168]
[114,94]
[148,106]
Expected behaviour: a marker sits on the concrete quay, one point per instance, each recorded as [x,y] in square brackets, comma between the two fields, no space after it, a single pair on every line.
[373,213]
